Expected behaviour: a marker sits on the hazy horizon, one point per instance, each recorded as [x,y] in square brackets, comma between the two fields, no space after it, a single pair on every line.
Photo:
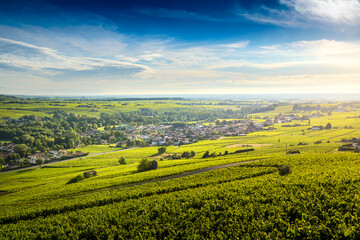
[271,97]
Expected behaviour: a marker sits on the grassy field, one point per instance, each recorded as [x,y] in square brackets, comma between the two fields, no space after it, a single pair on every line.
[96,148]
[318,199]
[94,108]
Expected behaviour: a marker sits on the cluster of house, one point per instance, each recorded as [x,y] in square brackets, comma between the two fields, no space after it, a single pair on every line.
[280,119]
[54,155]
[8,149]
[157,135]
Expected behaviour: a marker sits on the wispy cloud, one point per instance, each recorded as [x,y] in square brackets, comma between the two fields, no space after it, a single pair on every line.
[49,61]
[336,11]
[169,66]
[307,54]
[301,13]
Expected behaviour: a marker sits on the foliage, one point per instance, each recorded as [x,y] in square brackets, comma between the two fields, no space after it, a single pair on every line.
[89,174]
[161,150]
[146,165]
[39,161]
[186,155]
[328,126]
[76,179]
[122,160]
[21,149]
[206,154]
[293,152]
[284,170]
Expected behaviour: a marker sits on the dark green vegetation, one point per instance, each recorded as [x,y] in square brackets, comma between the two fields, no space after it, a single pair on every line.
[318,200]
[146,165]
[165,193]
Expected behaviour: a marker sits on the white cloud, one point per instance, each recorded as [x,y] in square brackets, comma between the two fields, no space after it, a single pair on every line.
[27,56]
[322,54]
[336,11]
[302,13]
[240,44]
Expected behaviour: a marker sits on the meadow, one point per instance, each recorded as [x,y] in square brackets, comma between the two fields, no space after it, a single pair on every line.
[95,108]
[318,199]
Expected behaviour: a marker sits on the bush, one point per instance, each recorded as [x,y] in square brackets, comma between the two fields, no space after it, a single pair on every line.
[122,160]
[92,173]
[186,155]
[293,152]
[161,150]
[206,154]
[284,170]
[76,179]
[146,165]
[244,150]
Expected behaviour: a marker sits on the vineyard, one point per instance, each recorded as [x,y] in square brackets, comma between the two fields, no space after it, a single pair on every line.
[317,198]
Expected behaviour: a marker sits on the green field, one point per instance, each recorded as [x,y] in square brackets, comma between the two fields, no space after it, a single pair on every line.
[95,108]
[319,199]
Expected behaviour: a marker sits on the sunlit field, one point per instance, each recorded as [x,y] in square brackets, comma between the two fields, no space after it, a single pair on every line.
[124,202]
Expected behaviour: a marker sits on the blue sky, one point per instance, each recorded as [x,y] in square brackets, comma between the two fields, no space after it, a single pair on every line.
[179,47]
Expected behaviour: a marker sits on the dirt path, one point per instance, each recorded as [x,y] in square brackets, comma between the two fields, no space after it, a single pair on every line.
[46,164]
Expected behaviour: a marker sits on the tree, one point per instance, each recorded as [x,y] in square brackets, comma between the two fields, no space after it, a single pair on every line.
[28,140]
[328,126]
[186,155]
[39,161]
[146,165]
[206,154]
[122,160]
[284,170]
[21,149]
[192,154]
[161,150]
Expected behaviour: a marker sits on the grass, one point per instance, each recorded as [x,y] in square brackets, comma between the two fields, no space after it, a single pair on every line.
[41,195]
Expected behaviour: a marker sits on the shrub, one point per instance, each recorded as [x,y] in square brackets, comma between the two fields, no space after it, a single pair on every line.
[39,161]
[186,155]
[92,173]
[76,179]
[161,150]
[293,152]
[122,160]
[244,150]
[146,165]
[284,170]
[206,154]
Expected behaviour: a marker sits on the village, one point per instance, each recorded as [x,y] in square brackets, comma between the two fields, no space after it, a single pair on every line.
[127,136]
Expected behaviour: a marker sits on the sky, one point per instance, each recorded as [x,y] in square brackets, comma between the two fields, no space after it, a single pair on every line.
[88,47]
